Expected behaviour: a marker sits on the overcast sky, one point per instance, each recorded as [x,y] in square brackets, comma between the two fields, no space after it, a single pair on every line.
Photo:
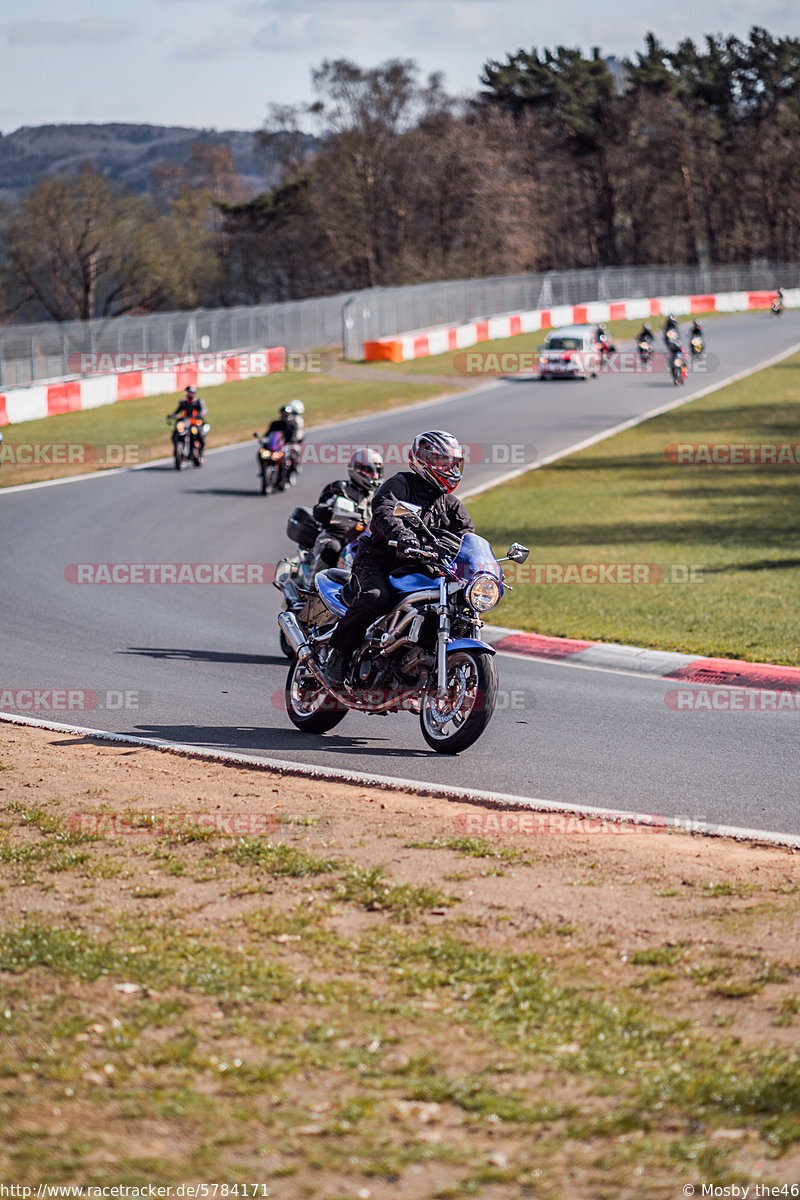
[219,65]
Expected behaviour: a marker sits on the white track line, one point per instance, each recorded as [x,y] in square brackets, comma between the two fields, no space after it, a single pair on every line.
[649,821]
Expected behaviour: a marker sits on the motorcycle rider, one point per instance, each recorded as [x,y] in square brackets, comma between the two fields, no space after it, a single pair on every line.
[290,423]
[646,334]
[365,472]
[671,328]
[436,460]
[190,406]
[696,329]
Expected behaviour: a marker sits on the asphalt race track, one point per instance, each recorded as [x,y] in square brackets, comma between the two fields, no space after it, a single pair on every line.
[201,664]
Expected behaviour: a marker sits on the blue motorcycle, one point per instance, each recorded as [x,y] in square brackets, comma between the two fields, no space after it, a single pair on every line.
[424,656]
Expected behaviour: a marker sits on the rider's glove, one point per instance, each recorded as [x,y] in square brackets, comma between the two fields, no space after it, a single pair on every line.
[407,541]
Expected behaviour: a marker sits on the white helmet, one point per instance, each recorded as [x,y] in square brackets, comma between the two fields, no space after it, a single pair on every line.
[297,407]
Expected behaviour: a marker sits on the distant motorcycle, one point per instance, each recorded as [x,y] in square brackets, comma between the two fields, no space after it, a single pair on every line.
[697,346]
[645,348]
[777,307]
[188,434]
[424,656]
[605,347]
[277,462]
[679,366]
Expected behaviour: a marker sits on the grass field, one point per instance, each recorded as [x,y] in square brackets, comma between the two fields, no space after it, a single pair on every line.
[727,535]
[368,1001]
[235,411]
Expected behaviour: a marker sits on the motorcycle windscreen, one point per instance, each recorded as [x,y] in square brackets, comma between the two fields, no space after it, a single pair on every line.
[476,557]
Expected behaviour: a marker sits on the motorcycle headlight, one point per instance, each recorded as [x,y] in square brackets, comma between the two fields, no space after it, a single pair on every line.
[265,453]
[483,593]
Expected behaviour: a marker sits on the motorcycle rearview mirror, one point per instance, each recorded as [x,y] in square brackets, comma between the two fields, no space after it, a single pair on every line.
[517,553]
[403,509]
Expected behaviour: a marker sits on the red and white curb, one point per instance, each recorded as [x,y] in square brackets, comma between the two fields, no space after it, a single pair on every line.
[420,343]
[48,399]
[660,664]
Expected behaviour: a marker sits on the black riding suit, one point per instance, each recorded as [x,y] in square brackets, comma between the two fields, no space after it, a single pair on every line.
[375,559]
[330,542]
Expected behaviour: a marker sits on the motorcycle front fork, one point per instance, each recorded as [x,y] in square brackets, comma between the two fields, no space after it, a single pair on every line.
[442,639]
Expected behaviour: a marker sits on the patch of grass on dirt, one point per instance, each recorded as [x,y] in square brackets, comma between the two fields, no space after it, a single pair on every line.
[277,859]
[473,847]
[369,888]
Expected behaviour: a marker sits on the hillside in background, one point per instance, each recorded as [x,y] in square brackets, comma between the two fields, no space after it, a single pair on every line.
[124,154]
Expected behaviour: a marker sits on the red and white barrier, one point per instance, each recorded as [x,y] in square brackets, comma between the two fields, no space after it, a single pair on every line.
[93,391]
[423,342]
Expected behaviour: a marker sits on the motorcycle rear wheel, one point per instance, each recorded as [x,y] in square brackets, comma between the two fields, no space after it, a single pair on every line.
[453,725]
[309,706]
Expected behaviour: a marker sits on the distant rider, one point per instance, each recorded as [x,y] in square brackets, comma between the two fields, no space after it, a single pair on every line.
[672,337]
[437,462]
[365,472]
[191,406]
[290,423]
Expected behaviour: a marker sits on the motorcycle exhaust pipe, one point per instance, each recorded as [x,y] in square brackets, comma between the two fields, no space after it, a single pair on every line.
[295,636]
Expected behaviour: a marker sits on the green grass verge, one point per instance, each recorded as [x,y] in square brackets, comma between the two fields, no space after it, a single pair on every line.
[235,411]
[622,501]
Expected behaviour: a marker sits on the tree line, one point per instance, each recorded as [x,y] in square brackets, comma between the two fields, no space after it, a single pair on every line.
[561,160]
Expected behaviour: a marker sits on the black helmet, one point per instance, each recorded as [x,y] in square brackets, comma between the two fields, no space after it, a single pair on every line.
[191,391]
[646,328]
[438,457]
[365,469]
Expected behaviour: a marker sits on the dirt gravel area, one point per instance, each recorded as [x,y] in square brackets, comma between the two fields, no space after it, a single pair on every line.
[211,973]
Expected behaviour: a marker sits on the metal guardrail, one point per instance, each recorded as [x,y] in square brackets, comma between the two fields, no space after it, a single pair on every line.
[34,352]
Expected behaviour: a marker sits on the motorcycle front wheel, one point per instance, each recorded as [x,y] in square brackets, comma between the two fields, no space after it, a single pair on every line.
[452,723]
[178,457]
[269,481]
[309,705]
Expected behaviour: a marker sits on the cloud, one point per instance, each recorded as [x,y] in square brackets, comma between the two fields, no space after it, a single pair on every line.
[87,30]
[220,43]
